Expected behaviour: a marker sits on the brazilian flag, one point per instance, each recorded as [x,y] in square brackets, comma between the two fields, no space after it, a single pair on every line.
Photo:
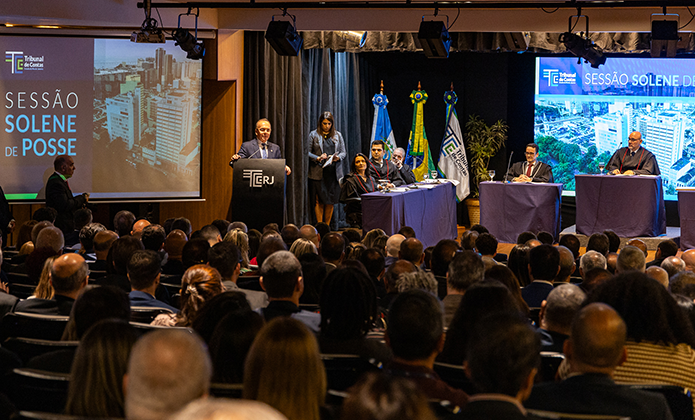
[419,156]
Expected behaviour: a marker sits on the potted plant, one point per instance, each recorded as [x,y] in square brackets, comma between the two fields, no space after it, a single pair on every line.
[483,142]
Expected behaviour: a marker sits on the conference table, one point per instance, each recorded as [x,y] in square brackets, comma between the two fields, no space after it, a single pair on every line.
[631,206]
[686,212]
[430,210]
[507,209]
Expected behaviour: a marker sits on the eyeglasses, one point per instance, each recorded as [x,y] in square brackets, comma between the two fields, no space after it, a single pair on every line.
[631,139]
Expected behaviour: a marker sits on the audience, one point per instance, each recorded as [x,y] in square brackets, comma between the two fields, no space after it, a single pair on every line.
[144,273]
[630,258]
[673,265]
[518,262]
[226,259]
[556,315]
[567,266]
[230,343]
[544,265]
[199,284]
[393,246]
[465,269]
[598,242]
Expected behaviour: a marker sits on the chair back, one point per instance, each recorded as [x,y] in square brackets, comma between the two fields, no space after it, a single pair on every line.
[27,348]
[146,314]
[37,390]
[566,416]
[20,290]
[678,398]
[344,370]
[455,376]
[249,283]
[22,324]
[233,391]
[550,362]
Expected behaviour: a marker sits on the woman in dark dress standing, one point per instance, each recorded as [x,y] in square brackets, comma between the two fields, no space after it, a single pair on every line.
[324,188]
[355,184]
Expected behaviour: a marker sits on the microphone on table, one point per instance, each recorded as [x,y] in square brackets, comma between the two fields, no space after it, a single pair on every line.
[506,174]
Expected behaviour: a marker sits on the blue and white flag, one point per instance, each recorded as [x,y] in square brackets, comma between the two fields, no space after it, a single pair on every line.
[381,128]
[453,163]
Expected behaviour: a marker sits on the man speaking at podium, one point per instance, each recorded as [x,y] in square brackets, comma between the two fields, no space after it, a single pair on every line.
[260,147]
[531,170]
[633,159]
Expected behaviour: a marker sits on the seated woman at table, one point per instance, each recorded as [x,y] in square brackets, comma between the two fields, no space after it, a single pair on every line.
[355,184]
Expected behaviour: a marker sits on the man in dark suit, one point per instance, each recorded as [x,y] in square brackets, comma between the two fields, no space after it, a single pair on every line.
[260,147]
[544,263]
[69,275]
[59,196]
[405,170]
[633,159]
[530,170]
[380,168]
[144,273]
[595,348]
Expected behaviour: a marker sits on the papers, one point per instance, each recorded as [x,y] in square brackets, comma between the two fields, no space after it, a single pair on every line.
[328,161]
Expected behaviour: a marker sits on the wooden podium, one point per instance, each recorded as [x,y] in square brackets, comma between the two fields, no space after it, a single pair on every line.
[258,192]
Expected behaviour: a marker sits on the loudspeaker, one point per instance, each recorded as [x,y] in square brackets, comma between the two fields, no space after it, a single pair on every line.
[284,39]
[666,30]
[434,39]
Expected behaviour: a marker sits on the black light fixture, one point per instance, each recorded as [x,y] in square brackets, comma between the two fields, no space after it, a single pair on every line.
[665,35]
[434,38]
[149,32]
[282,35]
[188,42]
[582,46]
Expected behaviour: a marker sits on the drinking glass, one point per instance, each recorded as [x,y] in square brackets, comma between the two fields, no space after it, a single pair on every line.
[491,174]
[601,165]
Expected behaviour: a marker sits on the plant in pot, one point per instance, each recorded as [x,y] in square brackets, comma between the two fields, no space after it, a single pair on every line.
[483,142]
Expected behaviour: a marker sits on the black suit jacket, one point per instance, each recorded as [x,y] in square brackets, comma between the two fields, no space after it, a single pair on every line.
[407,174]
[59,196]
[593,393]
[250,150]
[59,305]
[542,172]
[535,293]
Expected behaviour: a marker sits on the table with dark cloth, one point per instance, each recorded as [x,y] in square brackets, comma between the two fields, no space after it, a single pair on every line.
[686,212]
[631,206]
[430,212]
[507,209]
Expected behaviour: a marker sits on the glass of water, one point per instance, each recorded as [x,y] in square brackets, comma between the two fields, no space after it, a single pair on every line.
[491,174]
[601,165]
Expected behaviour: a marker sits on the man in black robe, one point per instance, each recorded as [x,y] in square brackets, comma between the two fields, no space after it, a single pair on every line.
[633,159]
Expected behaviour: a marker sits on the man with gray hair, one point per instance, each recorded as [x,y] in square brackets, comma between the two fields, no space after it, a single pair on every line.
[281,278]
[168,368]
[630,258]
[567,265]
[418,279]
[591,260]
[673,265]
[465,269]
[405,170]
[557,312]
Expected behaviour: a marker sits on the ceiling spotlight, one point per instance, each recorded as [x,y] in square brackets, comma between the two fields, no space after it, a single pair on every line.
[434,38]
[283,36]
[149,32]
[188,42]
[358,38]
[583,48]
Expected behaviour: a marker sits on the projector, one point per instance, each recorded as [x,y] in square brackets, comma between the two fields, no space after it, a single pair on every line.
[148,37]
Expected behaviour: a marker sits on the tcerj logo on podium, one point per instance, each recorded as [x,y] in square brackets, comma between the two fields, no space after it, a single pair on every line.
[257,179]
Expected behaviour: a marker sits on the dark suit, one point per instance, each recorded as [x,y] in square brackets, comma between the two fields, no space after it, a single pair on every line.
[138,298]
[407,174]
[250,150]
[59,305]
[541,172]
[535,293]
[594,393]
[59,196]
[387,170]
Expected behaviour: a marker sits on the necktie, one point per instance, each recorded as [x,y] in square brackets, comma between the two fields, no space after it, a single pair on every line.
[264,153]
[632,154]
[529,169]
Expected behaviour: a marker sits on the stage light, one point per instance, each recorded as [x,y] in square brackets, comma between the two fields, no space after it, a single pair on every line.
[189,43]
[149,33]
[664,36]
[358,38]
[434,39]
[583,48]
[282,35]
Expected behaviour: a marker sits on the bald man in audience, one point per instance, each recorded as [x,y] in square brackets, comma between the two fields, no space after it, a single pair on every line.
[688,258]
[393,246]
[630,258]
[167,369]
[595,348]
[658,274]
[69,276]
[567,266]
[639,244]
[557,312]
[310,233]
[138,226]
[412,250]
[673,265]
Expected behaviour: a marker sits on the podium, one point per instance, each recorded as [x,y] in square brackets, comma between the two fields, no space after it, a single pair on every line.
[258,192]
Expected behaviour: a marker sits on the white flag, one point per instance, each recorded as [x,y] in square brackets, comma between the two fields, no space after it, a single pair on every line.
[453,163]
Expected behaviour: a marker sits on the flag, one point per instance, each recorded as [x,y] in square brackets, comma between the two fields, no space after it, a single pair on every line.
[419,156]
[381,128]
[453,163]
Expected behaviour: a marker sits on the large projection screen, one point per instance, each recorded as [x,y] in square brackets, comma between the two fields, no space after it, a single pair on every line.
[582,115]
[128,114]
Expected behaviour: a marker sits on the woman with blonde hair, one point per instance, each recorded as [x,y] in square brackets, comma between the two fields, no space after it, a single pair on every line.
[199,284]
[44,290]
[284,370]
[303,246]
[239,238]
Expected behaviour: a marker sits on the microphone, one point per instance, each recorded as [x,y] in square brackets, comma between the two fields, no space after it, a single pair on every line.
[231,162]
[506,174]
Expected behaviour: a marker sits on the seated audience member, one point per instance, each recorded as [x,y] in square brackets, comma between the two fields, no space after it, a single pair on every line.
[442,254]
[532,243]
[44,290]
[486,245]
[613,241]
[589,261]
[544,264]
[468,239]
[525,237]
[593,278]
[153,238]
[658,274]
[418,279]
[572,243]
[688,257]
[144,273]
[309,232]
[313,274]
[665,249]
[24,234]
[323,229]
[281,278]
[598,242]
[215,309]
[222,226]
[138,228]
[96,379]
[49,243]
[393,245]
[185,226]
[351,235]
[68,276]
[199,284]
[168,368]
[230,344]
[380,242]
[465,269]
[348,313]
[289,234]
[556,315]
[504,275]
[238,225]
[225,257]
[284,370]
[407,232]
[639,244]
[391,282]
[518,263]
[545,237]
[195,252]
[411,250]
[504,354]
[611,262]
[378,396]
[173,245]
[120,253]
[45,214]
[332,250]
[660,339]
[373,261]
[415,334]
[224,408]
[370,237]
[86,240]
[239,238]
[267,247]
[673,265]
[481,299]
[302,246]
[567,266]
[123,223]
[683,284]
[630,258]
[595,348]
[102,245]
[479,228]
[211,234]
